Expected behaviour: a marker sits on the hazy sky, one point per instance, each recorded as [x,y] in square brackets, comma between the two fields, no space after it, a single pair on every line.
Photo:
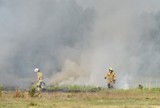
[76,41]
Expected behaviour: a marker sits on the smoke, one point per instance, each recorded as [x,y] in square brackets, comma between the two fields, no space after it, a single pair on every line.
[70,72]
[41,34]
[76,41]
[126,37]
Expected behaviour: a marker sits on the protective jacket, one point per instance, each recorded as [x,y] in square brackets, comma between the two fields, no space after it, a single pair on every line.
[39,76]
[39,81]
[111,76]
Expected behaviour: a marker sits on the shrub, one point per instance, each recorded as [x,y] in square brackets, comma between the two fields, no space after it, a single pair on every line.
[32,91]
[32,104]
[18,94]
[140,86]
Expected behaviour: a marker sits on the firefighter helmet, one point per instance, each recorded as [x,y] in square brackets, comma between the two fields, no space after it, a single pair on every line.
[36,70]
[110,69]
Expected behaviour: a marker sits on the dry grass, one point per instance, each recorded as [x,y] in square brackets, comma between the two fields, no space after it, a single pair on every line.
[101,99]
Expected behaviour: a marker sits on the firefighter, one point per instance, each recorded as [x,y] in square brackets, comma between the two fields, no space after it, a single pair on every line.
[39,84]
[111,77]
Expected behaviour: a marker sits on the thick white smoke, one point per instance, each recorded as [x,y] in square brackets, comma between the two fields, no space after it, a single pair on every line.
[76,41]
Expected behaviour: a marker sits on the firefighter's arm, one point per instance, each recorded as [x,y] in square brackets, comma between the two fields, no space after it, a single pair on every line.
[114,78]
[106,76]
[114,81]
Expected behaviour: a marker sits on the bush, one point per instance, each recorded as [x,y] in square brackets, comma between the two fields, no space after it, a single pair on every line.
[140,86]
[32,104]
[32,91]
[18,94]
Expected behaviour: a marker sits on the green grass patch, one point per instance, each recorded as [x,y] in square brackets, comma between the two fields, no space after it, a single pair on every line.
[101,98]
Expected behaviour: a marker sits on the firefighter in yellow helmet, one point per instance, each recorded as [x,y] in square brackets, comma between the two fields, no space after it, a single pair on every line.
[111,77]
[39,84]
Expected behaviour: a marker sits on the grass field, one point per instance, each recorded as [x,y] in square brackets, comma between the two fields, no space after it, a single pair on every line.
[133,98]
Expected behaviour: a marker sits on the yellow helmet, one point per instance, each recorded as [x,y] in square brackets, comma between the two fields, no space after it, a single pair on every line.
[110,69]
